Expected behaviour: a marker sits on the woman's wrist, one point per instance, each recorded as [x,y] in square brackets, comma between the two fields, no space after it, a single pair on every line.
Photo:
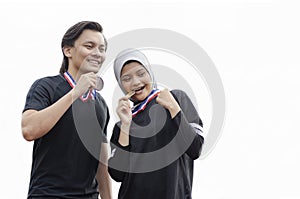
[124,134]
[125,127]
[174,108]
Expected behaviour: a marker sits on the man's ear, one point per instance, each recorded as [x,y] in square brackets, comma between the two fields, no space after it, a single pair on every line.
[67,51]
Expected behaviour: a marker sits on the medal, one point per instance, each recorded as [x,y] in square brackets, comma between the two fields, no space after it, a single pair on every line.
[99,83]
[89,94]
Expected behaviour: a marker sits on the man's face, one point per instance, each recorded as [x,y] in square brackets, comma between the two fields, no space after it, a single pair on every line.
[88,52]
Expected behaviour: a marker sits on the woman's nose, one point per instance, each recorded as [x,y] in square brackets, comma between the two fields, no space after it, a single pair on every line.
[135,81]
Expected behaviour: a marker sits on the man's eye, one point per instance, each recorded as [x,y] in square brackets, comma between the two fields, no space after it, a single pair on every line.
[88,46]
[102,50]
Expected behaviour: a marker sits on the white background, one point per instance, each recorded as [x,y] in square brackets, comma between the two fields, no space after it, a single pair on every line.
[254,45]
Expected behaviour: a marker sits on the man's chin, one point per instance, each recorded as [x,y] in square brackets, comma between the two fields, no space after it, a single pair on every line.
[94,70]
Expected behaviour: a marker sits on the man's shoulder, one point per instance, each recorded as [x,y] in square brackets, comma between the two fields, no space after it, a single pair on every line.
[51,81]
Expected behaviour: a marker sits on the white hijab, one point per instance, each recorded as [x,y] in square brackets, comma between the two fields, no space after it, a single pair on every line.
[131,54]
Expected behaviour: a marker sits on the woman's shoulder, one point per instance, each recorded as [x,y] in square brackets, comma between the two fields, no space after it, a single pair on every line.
[179,94]
[177,91]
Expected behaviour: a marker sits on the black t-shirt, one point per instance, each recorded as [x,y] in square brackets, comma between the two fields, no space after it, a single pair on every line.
[65,160]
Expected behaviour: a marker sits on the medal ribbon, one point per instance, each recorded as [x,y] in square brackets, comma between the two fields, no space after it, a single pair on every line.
[141,106]
[88,95]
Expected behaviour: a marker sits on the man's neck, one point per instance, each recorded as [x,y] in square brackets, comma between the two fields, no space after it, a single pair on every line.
[74,73]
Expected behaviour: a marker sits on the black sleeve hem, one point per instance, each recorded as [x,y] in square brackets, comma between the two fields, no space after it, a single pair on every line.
[190,139]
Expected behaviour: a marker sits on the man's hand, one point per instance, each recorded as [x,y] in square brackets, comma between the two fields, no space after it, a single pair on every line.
[86,82]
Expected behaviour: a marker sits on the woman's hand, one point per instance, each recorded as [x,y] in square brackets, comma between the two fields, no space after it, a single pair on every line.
[166,99]
[125,115]
[124,111]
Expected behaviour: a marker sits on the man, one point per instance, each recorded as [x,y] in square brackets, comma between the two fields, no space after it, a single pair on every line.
[67,119]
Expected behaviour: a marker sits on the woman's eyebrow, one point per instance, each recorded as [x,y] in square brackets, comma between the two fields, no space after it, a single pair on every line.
[125,75]
[142,69]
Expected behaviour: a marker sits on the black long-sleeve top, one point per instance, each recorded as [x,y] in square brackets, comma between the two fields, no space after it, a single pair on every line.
[158,162]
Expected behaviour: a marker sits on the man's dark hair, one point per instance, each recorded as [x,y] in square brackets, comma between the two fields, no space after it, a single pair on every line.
[72,35]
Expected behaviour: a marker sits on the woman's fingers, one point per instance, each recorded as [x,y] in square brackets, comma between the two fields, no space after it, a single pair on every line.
[130,94]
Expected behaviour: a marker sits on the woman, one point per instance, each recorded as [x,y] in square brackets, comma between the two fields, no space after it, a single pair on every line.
[157,140]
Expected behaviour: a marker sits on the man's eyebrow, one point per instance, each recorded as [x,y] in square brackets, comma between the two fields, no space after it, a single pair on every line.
[89,41]
[92,42]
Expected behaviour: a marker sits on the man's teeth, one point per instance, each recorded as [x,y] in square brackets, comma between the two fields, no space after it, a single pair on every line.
[94,62]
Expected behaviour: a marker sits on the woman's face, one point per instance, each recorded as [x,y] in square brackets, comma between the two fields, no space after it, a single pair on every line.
[134,77]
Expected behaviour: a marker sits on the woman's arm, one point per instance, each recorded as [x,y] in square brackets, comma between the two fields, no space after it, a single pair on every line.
[118,163]
[186,118]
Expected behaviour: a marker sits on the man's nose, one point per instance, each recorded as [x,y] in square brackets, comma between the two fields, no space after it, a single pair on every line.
[96,52]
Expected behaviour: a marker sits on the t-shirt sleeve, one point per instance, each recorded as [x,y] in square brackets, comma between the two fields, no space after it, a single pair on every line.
[103,116]
[105,127]
[189,124]
[38,96]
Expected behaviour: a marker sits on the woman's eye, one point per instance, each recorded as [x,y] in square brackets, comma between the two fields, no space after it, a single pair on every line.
[126,79]
[141,74]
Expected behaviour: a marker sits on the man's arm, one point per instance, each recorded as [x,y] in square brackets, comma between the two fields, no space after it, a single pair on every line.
[35,123]
[102,176]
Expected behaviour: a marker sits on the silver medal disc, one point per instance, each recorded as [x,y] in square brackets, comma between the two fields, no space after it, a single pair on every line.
[99,83]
